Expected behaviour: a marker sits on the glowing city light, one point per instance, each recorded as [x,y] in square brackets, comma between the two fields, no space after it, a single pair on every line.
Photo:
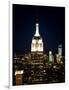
[37,30]
[18,72]
[37,44]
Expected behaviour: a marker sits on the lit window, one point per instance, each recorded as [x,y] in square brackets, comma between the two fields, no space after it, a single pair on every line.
[33,41]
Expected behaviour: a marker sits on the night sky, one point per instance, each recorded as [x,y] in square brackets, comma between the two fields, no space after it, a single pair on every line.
[51,27]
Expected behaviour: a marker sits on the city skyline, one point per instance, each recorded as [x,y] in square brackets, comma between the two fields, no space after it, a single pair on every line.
[51,27]
[38,44]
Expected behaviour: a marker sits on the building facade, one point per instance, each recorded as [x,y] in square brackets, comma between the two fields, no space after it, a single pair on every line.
[37,42]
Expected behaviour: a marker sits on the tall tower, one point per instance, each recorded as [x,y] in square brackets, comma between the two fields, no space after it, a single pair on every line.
[51,57]
[59,55]
[37,43]
[60,50]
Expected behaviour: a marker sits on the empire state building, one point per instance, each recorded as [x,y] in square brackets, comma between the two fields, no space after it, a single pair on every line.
[37,43]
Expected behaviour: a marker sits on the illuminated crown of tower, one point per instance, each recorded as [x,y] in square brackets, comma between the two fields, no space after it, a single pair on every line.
[37,42]
[37,30]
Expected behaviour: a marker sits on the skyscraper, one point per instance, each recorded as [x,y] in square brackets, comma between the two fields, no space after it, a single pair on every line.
[51,57]
[60,50]
[37,43]
[59,55]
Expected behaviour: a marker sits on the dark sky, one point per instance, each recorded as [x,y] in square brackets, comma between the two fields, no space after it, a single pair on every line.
[51,27]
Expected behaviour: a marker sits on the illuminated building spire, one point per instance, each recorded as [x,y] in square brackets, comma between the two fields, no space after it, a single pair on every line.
[37,43]
[37,30]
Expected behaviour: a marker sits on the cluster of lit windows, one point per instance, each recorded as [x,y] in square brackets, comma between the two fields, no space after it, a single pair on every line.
[37,45]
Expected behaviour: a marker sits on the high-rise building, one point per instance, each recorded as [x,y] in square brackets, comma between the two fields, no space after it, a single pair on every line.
[60,50]
[37,43]
[59,55]
[51,59]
